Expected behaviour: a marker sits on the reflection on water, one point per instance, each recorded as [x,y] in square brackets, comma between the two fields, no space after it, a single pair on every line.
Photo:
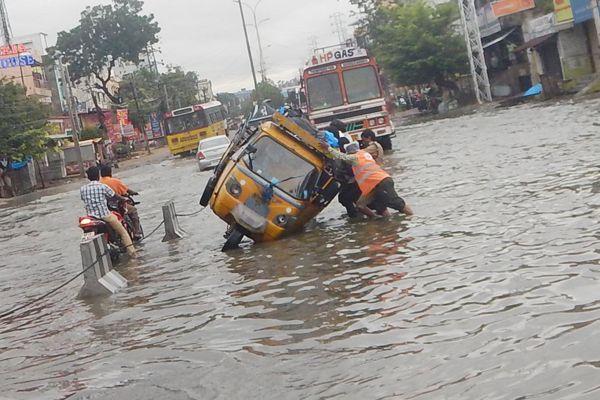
[490,292]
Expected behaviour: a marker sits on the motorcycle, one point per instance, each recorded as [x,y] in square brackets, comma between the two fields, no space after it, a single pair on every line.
[93,226]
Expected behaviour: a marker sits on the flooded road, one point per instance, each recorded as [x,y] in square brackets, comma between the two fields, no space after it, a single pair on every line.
[490,292]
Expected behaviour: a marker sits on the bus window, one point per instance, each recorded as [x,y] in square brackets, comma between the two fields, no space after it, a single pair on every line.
[182,123]
[361,84]
[324,91]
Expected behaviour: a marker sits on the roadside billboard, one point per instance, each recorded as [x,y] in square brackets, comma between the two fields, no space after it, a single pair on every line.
[562,11]
[507,7]
[487,21]
[582,10]
[540,26]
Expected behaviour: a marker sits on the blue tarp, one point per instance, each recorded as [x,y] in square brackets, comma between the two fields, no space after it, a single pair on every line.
[534,90]
[17,165]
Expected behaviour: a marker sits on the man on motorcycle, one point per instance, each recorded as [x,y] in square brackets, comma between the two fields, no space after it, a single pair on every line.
[121,189]
[95,195]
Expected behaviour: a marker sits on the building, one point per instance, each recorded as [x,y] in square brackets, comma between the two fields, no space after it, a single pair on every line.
[525,45]
[23,63]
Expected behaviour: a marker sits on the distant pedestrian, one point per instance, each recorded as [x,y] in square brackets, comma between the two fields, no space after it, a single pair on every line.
[372,146]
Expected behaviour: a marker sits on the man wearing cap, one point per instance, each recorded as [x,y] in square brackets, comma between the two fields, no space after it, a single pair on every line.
[376,185]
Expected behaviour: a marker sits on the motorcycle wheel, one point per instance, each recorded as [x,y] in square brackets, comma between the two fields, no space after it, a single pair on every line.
[208,191]
[114,253]
[233,240]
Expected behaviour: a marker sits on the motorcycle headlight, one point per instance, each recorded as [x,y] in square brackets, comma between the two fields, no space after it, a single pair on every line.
[233,187]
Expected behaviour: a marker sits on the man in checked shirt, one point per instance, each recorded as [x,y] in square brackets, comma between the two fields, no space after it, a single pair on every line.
[95,196]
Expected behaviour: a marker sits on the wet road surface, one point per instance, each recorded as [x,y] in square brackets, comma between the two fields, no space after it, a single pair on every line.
[490,292]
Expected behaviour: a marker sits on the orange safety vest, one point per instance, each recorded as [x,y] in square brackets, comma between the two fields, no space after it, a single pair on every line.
[367,173]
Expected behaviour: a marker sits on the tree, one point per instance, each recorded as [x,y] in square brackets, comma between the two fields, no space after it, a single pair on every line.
[106,35]
[23,124]
[269,91]
[23,127]
[417,43]
[182,87]
[179,87]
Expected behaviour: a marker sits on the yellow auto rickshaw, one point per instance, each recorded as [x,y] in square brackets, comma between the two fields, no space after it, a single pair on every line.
[273,179]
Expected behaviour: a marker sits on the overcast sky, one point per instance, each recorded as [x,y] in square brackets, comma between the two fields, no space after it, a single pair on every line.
[206,36]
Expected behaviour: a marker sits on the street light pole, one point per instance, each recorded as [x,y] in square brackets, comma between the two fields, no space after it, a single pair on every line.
[72,109]
[263,73]
[248,47]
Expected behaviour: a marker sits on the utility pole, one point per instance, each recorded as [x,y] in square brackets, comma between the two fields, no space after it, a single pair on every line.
[5,24]
[596,12]
[143,124]
[72,110]
[339,27]
[481,82]
[263,67]
[248,47]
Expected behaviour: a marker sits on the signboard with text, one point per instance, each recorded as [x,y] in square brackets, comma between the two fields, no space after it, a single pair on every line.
[123,116]
[337,55]
[540,26]
[507,7]
[582,10]
[16,55]
[563,11]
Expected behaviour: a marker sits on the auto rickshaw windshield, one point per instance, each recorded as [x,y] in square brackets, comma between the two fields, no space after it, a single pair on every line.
[282,168]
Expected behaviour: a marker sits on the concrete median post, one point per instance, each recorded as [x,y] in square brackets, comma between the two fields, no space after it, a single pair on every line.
[172,228]
[101,279]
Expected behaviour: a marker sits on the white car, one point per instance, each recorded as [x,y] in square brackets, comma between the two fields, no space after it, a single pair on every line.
[210,151]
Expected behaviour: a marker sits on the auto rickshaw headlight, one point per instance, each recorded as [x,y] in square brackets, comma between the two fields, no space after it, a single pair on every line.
[282,220]
[233,187]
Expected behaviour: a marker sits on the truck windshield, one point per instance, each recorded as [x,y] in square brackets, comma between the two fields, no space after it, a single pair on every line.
[324,91]
[361,84]
[186,122]
[282,168]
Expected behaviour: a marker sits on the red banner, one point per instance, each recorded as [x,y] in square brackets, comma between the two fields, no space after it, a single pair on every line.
[507,7]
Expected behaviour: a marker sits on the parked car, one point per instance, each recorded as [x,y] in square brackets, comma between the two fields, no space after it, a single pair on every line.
[210,151]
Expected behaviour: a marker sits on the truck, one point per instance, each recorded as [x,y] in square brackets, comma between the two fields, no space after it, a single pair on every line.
[343,82]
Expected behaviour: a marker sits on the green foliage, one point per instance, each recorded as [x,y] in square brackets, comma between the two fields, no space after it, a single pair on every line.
[106,35]
[181,89]
[23,124]
[90,133]
[269,91]
[417,43]
[266,91]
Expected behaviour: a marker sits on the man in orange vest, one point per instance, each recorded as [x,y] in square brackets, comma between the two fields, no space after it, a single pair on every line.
[376,185]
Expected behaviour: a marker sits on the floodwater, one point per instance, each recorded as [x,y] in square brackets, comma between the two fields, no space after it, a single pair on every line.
[490,292]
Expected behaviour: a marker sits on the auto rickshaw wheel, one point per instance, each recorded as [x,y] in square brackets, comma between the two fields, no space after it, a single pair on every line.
[233,239]
[208,191]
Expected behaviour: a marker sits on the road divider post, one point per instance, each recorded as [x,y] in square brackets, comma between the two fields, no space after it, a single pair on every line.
[99,277]
[172,228]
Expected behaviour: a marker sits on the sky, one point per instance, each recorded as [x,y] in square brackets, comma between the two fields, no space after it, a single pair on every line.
[206,36]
